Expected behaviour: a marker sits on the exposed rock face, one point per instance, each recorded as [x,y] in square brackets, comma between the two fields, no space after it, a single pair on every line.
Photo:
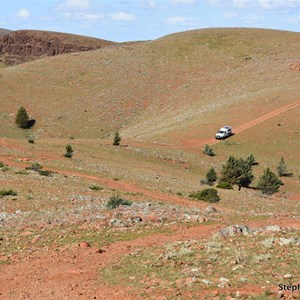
[24,45]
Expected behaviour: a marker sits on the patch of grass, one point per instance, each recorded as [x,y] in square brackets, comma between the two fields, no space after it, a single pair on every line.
[96,187]
[225,185]
[21,172]
[46,173]
[4,193]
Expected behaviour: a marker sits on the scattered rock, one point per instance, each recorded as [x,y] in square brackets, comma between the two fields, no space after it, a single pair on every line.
[211,209]
[224,282]
[288,276]
[84,245]
[284,241]
[236,229]
[273,228]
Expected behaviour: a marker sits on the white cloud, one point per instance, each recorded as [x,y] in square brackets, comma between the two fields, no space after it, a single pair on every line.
[82,16]
[262,4]
[252,18]
[149,4]
[122,16]
[184,2]
[75,4]
[23,14]
[175,20]
[230,14]
[274,4]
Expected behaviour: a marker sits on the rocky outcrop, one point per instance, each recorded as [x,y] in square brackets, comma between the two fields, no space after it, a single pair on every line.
[24,45]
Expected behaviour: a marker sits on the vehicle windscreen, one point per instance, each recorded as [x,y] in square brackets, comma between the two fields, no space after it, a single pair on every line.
[221,131]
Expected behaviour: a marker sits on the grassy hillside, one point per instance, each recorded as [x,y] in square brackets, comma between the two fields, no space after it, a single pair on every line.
[182,85]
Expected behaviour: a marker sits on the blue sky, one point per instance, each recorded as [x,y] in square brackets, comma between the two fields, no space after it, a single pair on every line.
[127,20]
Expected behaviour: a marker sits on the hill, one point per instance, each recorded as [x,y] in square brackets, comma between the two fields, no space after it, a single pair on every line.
[25,45]
[179,83]
[4,31]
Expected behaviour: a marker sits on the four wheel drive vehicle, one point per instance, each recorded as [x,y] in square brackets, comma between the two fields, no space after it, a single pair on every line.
[223,133]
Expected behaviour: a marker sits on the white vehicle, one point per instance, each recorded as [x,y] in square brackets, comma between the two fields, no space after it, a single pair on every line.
[223,133]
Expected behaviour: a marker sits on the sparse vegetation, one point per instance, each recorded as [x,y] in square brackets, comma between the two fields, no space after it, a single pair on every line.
[47,173]
[95,187]
[69,151]
[115,201]
[35,167]
[4,193]
[208,151]
[269,182]
[117,139]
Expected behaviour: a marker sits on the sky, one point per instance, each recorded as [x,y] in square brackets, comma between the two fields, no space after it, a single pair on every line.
[131,20]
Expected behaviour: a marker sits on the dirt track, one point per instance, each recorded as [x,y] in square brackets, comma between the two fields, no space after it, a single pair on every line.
[196,143]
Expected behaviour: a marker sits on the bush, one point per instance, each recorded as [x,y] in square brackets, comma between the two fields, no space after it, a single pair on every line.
[35,167]
[208,151]
[45,173]
[269,182]
[115,201]
[2,165]
[96,187]
[225,185]
[30,140]
[208,195]
[282,169]
[69,152]
[22,118]
[117,139]
[211,176]
[8,193]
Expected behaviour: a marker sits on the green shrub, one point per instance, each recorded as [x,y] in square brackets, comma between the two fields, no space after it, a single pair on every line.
[2,164]
[117,139]
[207,195]
[115,201]
[208,151]
[96,187]
[8,193]
[69,152]
[225,185]
[45,173]
[21,172]
[35,167]
[211,176]
[30,140]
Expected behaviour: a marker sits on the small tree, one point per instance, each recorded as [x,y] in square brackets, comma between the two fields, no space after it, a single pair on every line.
[69,152]
[211,176]
[237,171]
[22,118]
[269,182]
[281,168]
[117,139]
[208,151]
